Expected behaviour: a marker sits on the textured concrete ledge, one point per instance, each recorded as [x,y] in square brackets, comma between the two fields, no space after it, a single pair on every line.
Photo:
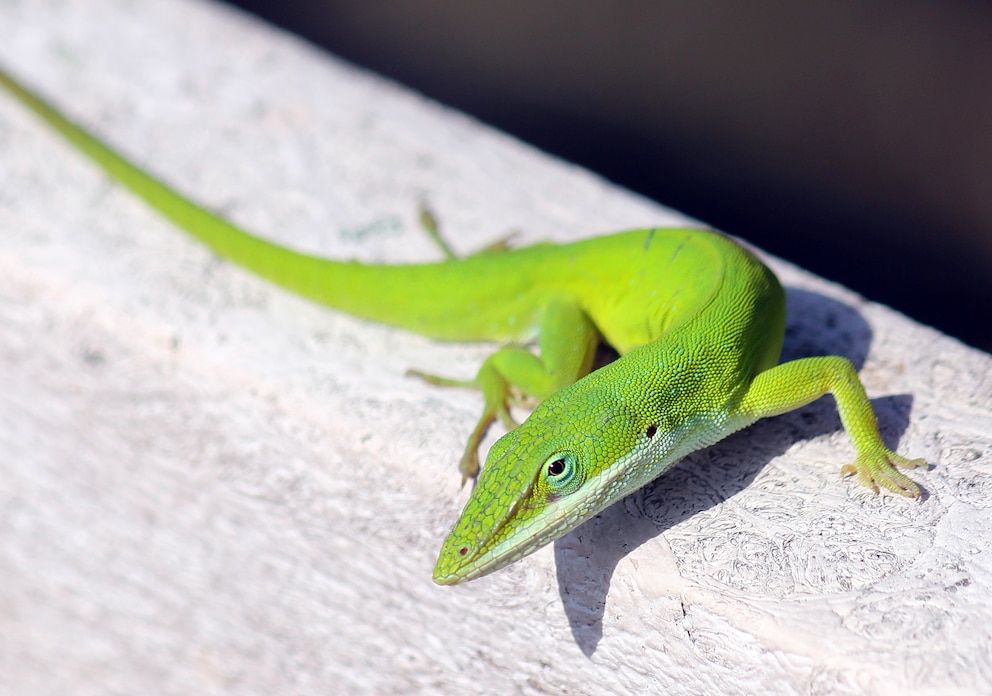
[210,486]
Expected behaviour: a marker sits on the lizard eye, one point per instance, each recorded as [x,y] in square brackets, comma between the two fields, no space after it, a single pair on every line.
[561,474]
[557,467]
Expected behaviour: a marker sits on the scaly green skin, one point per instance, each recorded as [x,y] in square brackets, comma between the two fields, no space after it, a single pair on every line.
[698,320]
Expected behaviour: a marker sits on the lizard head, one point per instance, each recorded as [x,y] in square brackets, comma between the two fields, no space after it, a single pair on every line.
[564,464]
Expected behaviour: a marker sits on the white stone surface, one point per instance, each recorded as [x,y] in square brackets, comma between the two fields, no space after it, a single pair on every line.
[210,486]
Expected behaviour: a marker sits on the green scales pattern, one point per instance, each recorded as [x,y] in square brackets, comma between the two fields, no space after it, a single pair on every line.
[698,320]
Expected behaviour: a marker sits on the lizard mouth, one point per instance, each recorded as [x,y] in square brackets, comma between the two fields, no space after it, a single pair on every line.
[460,562]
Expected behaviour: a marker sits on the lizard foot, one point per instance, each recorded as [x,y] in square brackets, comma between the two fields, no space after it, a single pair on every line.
[879,469]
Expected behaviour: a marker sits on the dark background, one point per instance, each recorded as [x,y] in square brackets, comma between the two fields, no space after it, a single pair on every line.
[853,138]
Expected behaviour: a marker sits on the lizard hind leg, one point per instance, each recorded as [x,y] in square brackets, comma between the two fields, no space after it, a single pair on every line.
[428,221]
[430,225]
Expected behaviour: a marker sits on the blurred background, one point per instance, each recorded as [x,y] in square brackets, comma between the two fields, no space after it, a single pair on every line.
[852,138]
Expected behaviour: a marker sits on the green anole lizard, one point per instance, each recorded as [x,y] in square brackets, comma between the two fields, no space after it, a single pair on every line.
[697,319]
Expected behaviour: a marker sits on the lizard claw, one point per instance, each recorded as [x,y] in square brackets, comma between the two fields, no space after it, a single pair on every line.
[469,465]
[880,470]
